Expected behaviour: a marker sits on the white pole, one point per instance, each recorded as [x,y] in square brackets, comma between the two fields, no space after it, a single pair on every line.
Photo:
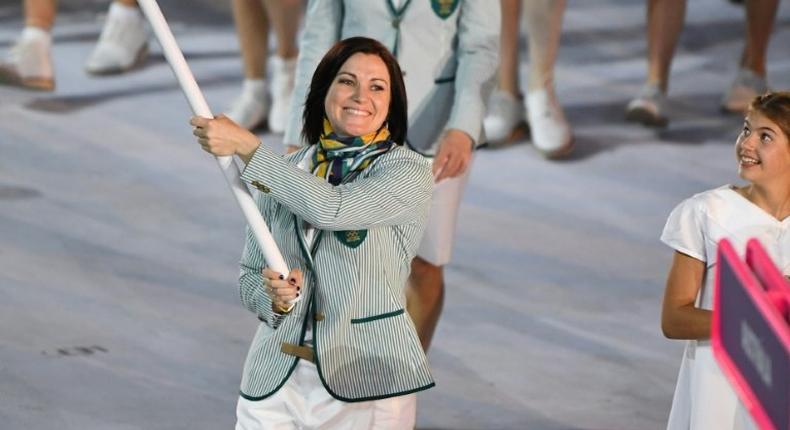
[199,106]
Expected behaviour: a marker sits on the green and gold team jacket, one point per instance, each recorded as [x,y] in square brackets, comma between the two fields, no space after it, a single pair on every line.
[367,232]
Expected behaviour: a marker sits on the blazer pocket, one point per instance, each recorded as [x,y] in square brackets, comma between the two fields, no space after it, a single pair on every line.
[445,80]
[377,317]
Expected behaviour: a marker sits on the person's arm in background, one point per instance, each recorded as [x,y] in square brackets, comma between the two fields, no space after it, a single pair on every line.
[322,24]
[478,60]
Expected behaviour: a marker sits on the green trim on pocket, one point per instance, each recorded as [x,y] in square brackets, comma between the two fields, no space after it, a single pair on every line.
[376,317]
[444,80]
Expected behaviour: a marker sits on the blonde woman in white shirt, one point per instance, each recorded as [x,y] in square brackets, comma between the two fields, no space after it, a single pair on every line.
[761,208]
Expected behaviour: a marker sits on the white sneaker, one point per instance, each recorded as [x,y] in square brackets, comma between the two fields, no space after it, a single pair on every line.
[123,43]
[29,63]
[746,86]
[504,123]
[551,133]
[648,107]
[282,87]
[250,108]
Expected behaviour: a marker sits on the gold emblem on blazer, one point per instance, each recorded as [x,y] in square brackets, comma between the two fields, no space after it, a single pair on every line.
[351,238]
[444,8]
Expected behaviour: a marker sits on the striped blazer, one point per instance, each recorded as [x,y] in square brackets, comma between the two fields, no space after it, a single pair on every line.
[367,232]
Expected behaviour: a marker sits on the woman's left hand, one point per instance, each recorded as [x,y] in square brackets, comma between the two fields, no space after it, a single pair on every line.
[282,291]
[221,136]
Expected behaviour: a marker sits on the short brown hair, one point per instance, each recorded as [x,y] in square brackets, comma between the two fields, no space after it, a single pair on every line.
[776,107]
[314,112]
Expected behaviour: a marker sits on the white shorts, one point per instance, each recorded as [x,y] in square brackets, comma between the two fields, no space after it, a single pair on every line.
[303,403]
[437,241]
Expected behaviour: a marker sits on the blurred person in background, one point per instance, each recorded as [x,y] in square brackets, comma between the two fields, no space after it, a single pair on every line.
[664,24]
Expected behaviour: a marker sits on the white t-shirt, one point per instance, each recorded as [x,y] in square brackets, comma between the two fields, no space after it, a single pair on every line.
[703,398]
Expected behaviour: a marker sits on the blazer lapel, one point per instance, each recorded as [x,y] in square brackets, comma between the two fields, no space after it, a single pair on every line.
[307,251]
[308,257]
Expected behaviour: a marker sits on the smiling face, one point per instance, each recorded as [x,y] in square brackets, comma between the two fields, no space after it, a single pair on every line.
[762,151]
[358,99]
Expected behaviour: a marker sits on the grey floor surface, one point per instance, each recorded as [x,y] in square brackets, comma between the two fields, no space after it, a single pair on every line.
[119,240]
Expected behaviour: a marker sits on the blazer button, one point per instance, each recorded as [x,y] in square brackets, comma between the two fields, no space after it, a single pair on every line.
[262,188]
[318,316]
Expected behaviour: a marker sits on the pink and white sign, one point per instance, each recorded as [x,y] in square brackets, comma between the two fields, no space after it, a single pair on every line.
[751,332]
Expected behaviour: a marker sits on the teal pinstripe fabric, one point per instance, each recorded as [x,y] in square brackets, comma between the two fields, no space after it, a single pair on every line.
[381,355]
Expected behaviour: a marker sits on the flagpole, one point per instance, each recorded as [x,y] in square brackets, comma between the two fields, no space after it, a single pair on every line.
[197,102]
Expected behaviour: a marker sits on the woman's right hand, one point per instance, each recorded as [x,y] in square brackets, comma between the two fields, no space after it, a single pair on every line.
[282,290]
[221,136]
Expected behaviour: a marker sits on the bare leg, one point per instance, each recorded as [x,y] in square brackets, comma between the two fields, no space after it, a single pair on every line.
[251,108]
[425,297]
[551,133]
[252,26]
[760,16]
[284,17]
[544,22]
[750,80]
[504,122]
[664,24]
[508,48]
[40,13]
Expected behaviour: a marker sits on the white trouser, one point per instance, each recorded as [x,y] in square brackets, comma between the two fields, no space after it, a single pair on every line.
[304,403]
[437,241]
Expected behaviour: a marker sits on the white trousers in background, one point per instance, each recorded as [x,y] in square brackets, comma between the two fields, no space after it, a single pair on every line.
[437,241]
[304,403]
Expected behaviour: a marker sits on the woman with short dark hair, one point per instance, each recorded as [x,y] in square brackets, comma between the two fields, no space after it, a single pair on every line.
[449,54]
[347,212]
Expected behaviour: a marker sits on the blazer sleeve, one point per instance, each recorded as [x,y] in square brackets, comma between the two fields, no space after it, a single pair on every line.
[396,189]
[323,20]
[478,62]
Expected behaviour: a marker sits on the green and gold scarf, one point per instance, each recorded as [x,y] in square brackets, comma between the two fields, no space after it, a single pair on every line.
[335,157]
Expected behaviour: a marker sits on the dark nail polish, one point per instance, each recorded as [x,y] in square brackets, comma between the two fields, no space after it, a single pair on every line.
[298,288]
[282,277]
[297,294]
